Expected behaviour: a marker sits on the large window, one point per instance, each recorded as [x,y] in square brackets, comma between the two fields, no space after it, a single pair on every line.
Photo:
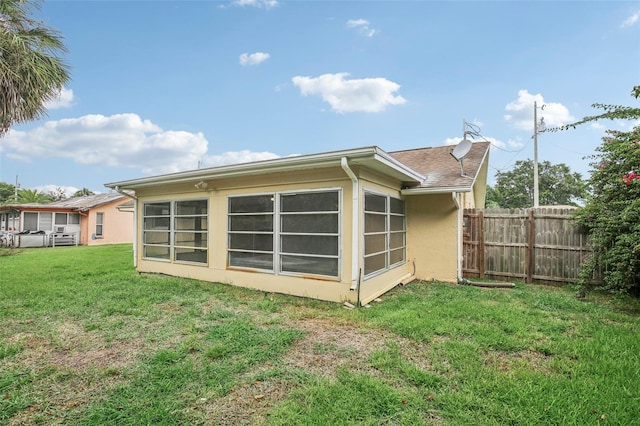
[288,233]
[38,221]
[176,230]
[384,233]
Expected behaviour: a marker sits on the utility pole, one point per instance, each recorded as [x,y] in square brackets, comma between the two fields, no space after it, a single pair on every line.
[536,193]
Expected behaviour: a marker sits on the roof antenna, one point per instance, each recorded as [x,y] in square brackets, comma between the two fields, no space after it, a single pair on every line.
[462,149]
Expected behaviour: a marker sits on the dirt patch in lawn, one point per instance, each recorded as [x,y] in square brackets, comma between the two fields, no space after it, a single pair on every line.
[508,361]
[326,347]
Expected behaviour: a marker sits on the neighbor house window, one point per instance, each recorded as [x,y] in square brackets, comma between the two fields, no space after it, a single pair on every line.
[37,221]
[384,233]
[176,230]
[99,225]
[286,233]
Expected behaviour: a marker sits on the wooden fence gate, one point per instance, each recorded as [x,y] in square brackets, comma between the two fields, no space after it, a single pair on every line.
[542,245]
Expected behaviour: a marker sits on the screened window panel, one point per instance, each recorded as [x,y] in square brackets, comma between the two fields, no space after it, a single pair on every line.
[45,222]
[396,223]
[154,237]
[375,203]
[396,205]
[375,243]
[396,256]
[191,208]
[157,252]
[251,204]
[310,244]
[310,265]
[74,219]
[61,218]
[197,223]
[156,223]
[310,223]
[191,239]
[396,240]
[157,209]
[191,255]
[251,260]
[310,202]
[255,223]
[375,263]
[375,223]
[30,221]
[258,242]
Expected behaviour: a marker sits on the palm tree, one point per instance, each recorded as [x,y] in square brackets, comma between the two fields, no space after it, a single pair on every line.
[28,196]
[31,72]
[82,192]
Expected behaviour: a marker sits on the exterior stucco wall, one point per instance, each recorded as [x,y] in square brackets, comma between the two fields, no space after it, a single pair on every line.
[432,236]
[117,225]
[217,193]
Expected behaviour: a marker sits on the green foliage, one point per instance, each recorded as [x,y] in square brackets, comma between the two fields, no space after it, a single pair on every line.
[31,71]
[82,192]
[612,214]
[26,196]
[556,183]
[7,193]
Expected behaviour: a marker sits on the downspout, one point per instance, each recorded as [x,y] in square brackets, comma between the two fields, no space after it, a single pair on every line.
[135,223]
[355,226]
[454,195]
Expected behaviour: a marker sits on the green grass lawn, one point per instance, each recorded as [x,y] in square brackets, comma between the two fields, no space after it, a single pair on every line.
[84,339]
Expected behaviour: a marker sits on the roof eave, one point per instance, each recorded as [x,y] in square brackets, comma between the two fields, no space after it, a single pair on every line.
[437,190]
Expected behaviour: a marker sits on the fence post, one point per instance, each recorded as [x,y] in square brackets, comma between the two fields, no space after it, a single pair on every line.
[531,239]
[481,244]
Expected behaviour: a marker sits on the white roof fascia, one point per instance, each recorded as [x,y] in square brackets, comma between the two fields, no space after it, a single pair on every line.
[440,190]
[271,166]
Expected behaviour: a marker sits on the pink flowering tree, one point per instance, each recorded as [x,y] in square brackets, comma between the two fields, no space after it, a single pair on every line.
[611,214]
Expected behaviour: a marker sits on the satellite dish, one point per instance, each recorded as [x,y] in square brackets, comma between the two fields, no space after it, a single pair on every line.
[462,149]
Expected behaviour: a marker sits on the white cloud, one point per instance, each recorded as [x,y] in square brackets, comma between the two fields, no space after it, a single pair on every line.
[236,157]
[68,190]
[267,4]
[253,58]
[631,20]
[366,95]
[121,140]
[63,100]
[520,112]
[362,26]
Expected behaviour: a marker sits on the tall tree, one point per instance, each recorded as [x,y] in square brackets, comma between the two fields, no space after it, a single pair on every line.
[31,69]
[557,184]
[82,192]
[27,196]
[611,214]
[7,193]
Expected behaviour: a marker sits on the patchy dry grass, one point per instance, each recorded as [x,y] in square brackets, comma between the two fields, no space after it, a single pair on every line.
[86,340]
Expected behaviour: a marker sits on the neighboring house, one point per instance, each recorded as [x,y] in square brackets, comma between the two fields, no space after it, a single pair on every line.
[87,220]
[339,226]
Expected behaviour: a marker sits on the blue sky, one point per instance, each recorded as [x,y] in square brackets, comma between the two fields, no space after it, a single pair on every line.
[166,86]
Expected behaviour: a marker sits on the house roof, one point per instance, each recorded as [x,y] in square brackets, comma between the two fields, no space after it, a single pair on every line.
[441,170]
[83,203]
[421,170]
[369,157]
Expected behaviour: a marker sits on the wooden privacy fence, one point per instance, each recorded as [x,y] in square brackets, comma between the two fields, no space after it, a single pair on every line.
[542,245]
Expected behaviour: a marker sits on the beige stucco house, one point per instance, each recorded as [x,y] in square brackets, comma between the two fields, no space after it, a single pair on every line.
[87,220]
[339,226]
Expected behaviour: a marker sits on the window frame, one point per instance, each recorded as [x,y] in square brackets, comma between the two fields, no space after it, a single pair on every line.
[388,233]
[99,224]
[174,249]
[278,235]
